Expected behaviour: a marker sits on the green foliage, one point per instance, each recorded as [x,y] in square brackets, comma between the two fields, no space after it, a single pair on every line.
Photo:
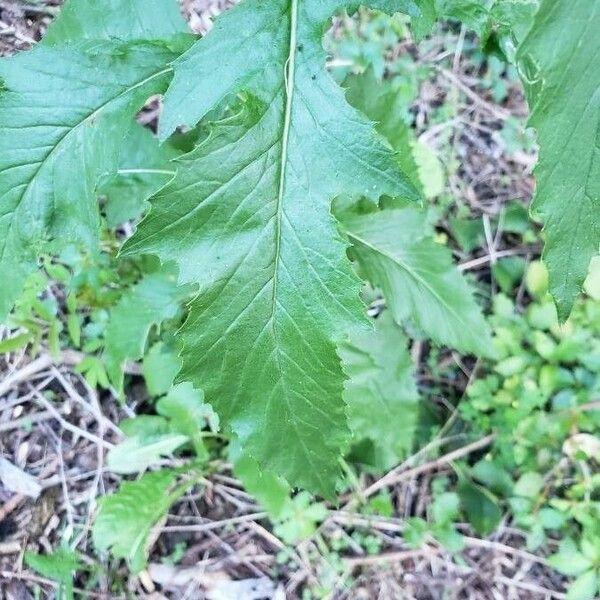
[125,518]
[381,392]
[299,518]
[62,121]
[160,367]
[398,254]
[501,24]
[279,292]
[141,451]
[60,566]
[154,299]
[144,168]
[366,41]
[444,511]
[272,492]
[546,443]
[582,563]
[275,335]
[480,507]
[395,247]
[387,102]
[562,88]
[551,42]
[184,407]
[183,418]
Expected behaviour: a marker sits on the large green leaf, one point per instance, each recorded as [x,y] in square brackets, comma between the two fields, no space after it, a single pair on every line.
[253,45]
[558,60]
[417,277]
[381,391]
[121,19]
[248,219]
[62,123]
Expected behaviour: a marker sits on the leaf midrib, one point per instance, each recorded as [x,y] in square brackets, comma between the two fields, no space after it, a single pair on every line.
[289,89]
[289,71]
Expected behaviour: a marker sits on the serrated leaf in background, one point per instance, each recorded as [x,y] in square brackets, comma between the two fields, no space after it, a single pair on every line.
[62,124]
[126,517]
[397,252]
[248,219]
[272,492]
[418,278]
[154,299]
[381,391]
[380,101]
[558,64]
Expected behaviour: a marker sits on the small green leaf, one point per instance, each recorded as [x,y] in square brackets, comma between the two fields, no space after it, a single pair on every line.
[508,272]
[469,233]
[160,367]
[493,476]
[60,566]
[138,453]
[188,415]
[126,517]
[569,561]
[74,329]
[529,485]
[416,532]
[299,518]
[447,535]
[430,170]
[445,508]
[153,300]
[271,491]
[480,507]
[144,426]
[14,343]
[584,587]
[550,518]
[536,279]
